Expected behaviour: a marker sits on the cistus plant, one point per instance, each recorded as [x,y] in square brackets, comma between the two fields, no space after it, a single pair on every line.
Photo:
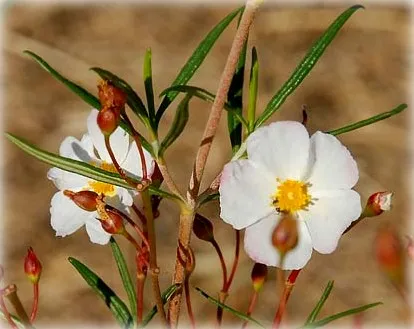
[290,192]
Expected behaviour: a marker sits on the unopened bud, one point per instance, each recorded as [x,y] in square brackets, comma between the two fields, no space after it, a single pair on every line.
[378,203]
[389,254]
[108,120]
[259,275]
[32,266]
[83,199]
[203,228]
[113,223]
[285,235]
[111,96]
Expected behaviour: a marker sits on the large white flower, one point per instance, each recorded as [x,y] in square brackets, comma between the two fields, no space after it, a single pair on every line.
[66,216]
[288,172]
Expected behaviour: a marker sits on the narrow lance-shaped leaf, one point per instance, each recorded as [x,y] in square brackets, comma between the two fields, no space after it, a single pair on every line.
[235,99]
[206,96]
[125,276]
[337,316]
[306,65]
[79,167]
[112,301]
[229,309]
[165,296]
[195,60]
[253,86]
[178,124]
[149,91]
[312,316]
[133,100]
[78,90]
[369,121]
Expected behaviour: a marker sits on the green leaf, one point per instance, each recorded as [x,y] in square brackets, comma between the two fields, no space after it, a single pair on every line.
[79,167]
[125,276]
[312,316]
[228,308]
[15,319]
[195,60]
[253,86]
[204,95]
[112,301]
[337,316]
[306,65]
[133,100]
[78,90]
[208,198]
[149,91]
[178,124]
[368,121]
[165,296]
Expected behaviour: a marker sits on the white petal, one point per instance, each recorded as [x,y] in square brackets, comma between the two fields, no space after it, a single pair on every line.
[77,150]
[258,244]
[96,232]
[245,193]
[133,165]
[334,167]
[282,148]
[119,140]
[65,180]
[329,217]
[66,216]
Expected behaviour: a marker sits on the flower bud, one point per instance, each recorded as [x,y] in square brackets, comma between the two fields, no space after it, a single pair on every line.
[32,266]
[113,223]
[111,96]
[259,275]
[389,254]
[285,235]
[108,120]
[83,199]
[378,203]
[203,228]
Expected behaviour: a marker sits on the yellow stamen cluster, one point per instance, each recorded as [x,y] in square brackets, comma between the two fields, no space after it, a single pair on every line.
[100,187]
[291,196]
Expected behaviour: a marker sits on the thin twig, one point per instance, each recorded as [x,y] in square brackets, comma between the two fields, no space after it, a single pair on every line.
[35,301]
[252,304]
[6,313]
[172,186]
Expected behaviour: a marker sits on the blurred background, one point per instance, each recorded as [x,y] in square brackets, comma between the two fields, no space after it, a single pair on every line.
[363,72]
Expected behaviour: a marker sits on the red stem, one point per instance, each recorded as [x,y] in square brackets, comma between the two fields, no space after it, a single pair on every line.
[235,261]
[222,262]
[35,302]
[140,295]
[188,302]
[252,304]
[6,313]
[289,284]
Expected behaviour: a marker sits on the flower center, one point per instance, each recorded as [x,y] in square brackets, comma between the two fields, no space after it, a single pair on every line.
[100,187]
[291,196]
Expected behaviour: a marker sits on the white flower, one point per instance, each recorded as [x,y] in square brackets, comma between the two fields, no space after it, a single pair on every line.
[288,172]
[66,216]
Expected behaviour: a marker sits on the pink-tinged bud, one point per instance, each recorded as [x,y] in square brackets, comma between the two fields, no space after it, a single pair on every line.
[111,96]
[108,120]
[378,203]
[410,247]
[32,266]
[83,199]
[285,235]
[259,276]
[389,252]
[203,228]
[113,223]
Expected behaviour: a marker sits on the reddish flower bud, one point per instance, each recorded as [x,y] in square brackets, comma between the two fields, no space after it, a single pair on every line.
[108,120]
[203,228]
[285,235]
[111,96]
[83,199]
[32,266]
[378,203]
[113,223]
[389,253]
[259,275]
